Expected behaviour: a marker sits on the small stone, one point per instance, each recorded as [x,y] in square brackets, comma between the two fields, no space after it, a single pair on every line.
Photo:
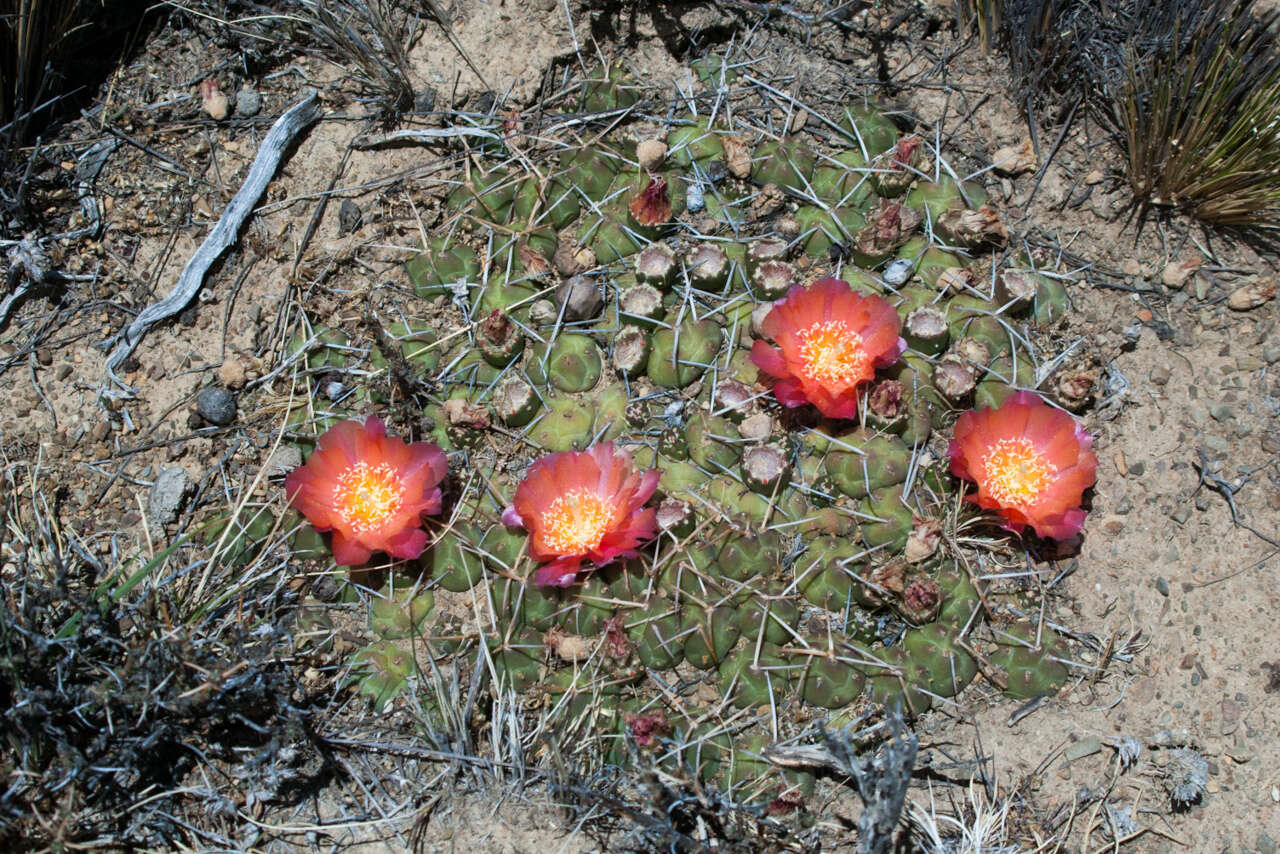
[231,373]
[1271,441]
[167,496]
[1131,267]
[1095,177]
[1160,375]
[283,460]
[1181,515]
[543,311]
[1220,412]
[349,217]
[1230,711]
[651,153]
[899,271]
[248,102]
[1248,364]
[1124,506]
[1082,748]
[217,406]
[1162,585]
[1111,527]
[44,356]
[1265,844]
[1217,444]
[1137,469]
[1271,353]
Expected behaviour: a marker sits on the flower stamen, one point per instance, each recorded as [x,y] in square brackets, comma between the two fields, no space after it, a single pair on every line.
[365,496]
[833,353]
[1016,473]
[574,523]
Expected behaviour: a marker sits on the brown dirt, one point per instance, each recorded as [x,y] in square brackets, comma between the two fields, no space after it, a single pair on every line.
[1161,559]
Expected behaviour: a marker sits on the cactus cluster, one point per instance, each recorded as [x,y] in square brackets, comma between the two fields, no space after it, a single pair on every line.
[783,574]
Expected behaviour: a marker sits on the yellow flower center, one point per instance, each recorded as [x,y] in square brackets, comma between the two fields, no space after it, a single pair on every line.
[1016,473]
[575,522]
[367,496]
[833,353]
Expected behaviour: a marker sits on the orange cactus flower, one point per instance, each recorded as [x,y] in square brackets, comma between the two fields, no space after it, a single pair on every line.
[370,489]
[583,505]
[1032,464]
[830,341]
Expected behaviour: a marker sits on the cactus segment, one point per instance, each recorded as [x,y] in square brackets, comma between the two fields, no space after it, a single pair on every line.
[693,143]
[501,340]
[843,181]
[954,377]
[773,279]
[898,683]
[713,442]
[516,664]
[949,667]
[768,616]
[708,267]
[657,632]
[631,351]
[1031,670]
[884,462]
[764,250]
[1052,302]
[891,519]
[925,330]
[897,169]
[442,267]
[452,561]
[573,363]
[566,425]
[870,130]
[830,683]
[677,363]
[788,164]
[381,671]
[614,89]
[656,266]
[640,305]
[765,469]
[747,554]
[515,401]
[400,613]
[711,634]
[755,680]
[821,229]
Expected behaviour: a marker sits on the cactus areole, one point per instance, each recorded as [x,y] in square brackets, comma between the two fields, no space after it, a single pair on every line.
[370,489]
[583,505]
[1032,464]
[830,341]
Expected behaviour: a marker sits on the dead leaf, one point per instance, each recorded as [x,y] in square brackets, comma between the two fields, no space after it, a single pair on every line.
[1253,294]
[1015,159]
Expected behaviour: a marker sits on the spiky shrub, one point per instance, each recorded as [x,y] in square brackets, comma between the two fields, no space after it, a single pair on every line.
[1199,121]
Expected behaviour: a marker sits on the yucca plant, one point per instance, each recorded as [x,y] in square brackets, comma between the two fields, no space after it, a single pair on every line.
[1200,123]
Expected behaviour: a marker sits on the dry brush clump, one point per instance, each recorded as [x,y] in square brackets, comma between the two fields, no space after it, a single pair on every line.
[1189,89]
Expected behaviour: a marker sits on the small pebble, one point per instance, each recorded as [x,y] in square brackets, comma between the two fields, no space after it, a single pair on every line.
[579,296]
[1265,844]
[1220,412]
[1160,375]
[1137,469]
[1124,506]
[1162,586]
[217,406]
[44,356]
[349,217]
[248,102]
[899,271]
[1181,515]
[1217,444]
